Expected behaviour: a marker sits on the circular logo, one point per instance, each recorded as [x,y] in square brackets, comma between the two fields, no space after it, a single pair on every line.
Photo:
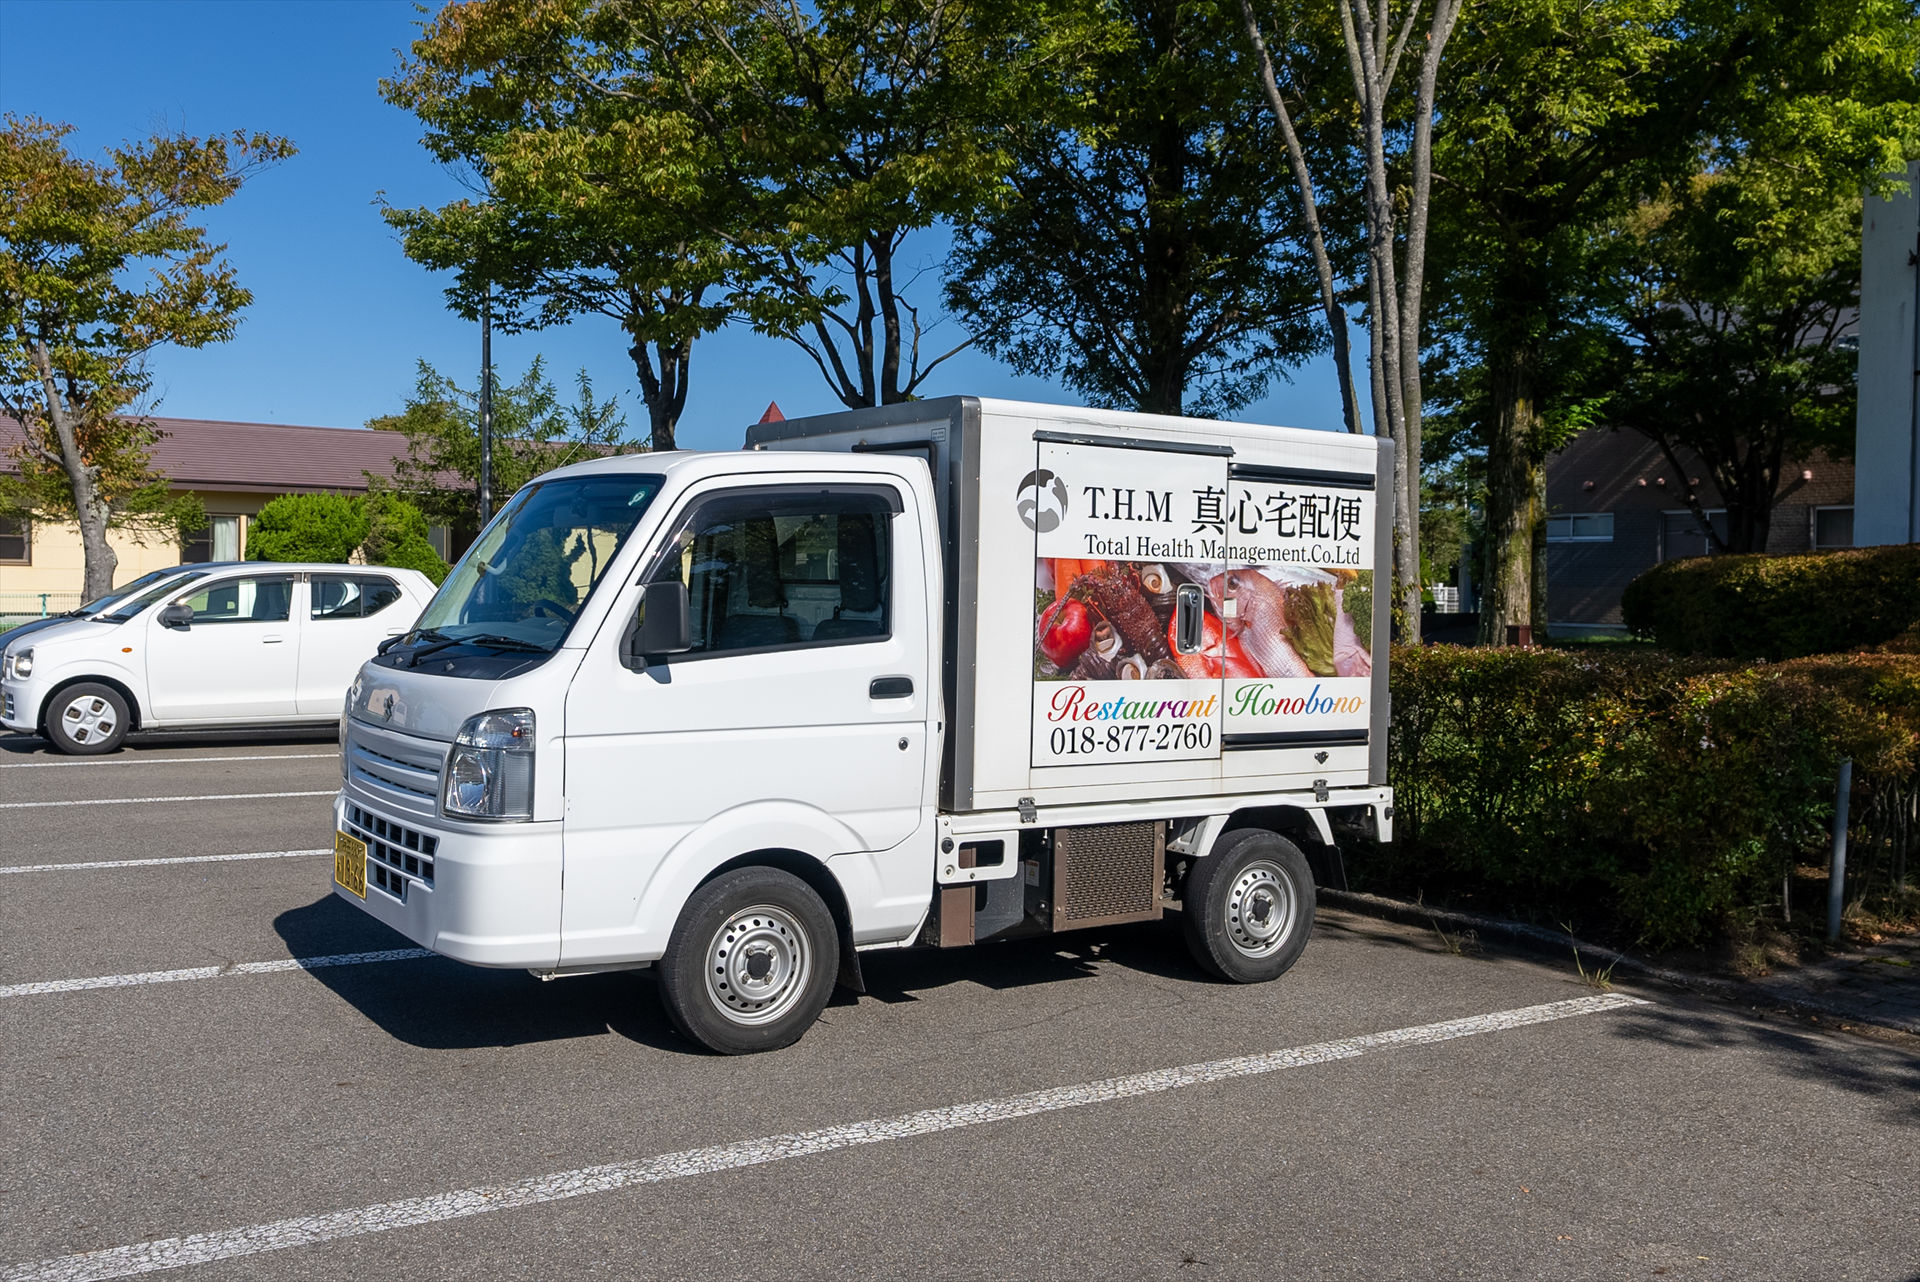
[1042,501]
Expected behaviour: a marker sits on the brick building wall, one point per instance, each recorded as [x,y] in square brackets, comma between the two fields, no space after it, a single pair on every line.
[1616,508]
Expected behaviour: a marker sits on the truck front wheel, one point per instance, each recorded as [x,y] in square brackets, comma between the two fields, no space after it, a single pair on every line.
[751,962]
[1249,907]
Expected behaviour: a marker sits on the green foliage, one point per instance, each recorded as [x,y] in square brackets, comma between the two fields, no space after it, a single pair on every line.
[533,432]
[1778,607]
[307,527]
[1657,798]
[397,535]
[1145,255]
[99,266]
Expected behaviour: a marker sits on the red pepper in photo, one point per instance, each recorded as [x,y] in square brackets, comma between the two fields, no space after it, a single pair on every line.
[1065,629]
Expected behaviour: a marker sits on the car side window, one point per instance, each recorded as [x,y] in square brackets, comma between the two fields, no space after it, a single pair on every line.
[775,569]
[344,596]
[261,598]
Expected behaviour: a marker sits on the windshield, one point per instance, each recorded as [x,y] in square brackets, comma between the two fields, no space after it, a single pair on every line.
[126,590]
[534,566]
[133,605]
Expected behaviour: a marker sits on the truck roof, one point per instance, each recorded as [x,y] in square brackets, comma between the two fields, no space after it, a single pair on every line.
[683,463]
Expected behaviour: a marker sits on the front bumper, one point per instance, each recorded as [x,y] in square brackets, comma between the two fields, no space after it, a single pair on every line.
[19,706]
[488,895]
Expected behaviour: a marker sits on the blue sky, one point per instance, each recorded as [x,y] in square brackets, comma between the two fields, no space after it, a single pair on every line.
[340,316]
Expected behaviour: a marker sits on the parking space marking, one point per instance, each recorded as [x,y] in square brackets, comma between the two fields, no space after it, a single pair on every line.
[166,761]
[308,1230]
[157,863]
[140,801]
[210,972]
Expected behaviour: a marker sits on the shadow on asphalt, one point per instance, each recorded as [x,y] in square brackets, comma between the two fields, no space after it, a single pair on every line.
[26,745]
[444,1005]
[1886,1072]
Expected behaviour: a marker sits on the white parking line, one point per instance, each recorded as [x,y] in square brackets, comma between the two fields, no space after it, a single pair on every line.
[157,863]
[210,972]
[308,1230]
[140,801]
[165,761]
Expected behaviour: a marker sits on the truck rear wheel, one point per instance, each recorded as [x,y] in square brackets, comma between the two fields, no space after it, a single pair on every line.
[751,962]
[1249,907]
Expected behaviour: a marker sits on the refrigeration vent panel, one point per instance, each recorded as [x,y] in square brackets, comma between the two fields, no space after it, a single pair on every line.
[1107,873]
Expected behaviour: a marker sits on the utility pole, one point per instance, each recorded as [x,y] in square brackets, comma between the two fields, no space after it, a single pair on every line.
[486,408]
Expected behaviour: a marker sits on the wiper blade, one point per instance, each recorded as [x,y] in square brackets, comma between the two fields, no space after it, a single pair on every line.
[503,643]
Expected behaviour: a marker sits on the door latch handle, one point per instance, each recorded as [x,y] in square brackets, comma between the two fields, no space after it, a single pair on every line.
[271,640]
[891,688]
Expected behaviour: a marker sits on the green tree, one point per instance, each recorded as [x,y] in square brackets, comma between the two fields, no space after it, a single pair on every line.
[308,527]
[99,267]
[534,432]
[398,535]
[1145,256]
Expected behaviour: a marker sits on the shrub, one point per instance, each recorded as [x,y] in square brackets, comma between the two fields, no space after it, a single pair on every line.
[397,536]
[1777,607]
[1655,797]
[307,527]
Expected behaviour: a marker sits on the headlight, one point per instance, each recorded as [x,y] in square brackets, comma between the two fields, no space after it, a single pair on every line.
[20,663]
[490,768]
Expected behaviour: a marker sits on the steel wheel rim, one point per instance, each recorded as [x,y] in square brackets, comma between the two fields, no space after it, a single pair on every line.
[1261,909]
[89,720]
[759,965]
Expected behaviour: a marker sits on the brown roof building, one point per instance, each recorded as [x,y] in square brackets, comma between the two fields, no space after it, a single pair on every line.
[1616,507]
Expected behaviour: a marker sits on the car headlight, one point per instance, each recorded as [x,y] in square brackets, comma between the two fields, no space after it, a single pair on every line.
[490,767]
[20,663]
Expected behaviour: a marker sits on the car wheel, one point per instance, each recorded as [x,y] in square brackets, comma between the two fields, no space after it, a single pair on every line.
[751,962]
[87,719]
[1249,907]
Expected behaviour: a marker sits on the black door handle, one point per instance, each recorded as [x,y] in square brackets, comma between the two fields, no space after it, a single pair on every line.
[891,688]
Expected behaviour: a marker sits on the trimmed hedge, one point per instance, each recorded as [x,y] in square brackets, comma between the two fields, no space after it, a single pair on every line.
[383,527]
[1656,798]
[1777,607]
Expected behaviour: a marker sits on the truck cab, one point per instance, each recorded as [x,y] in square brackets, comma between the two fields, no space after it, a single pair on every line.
[723,714]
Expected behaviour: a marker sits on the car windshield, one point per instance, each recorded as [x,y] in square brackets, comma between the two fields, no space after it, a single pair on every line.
[131,606]
[533,567]
[126,590]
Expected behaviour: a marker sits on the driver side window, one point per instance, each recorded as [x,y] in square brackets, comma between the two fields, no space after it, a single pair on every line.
[262,598]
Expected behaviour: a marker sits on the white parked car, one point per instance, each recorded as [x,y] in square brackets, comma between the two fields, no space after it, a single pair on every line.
[236,643]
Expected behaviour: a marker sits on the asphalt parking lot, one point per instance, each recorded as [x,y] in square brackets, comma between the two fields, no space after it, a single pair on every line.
[211,1068]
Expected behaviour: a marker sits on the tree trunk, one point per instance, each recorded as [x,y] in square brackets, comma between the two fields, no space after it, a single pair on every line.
[1515,492]
[1163,293]
[89,508]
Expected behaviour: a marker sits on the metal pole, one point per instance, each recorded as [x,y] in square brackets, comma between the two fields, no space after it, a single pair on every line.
[486,408]
[1837,875]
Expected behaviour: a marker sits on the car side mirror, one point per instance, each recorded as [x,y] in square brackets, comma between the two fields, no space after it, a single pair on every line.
[663,625]
[178,615]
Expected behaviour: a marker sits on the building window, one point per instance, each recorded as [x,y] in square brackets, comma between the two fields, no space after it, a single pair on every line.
[217,540]
[1681,535]
[16,541]
[1830,527]
[1582,527]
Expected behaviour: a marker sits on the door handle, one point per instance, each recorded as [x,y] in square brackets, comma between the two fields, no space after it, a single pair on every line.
[891,688]
[1189,619]
[271,640]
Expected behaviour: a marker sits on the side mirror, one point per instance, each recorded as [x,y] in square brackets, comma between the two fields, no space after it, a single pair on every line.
[663,626]
[178,615]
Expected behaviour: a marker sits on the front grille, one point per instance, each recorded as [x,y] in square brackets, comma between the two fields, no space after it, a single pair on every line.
[391,772]
[6,705]
[397,855]
[1106,873]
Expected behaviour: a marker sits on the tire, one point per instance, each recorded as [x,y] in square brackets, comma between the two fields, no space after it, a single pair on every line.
[1249,907]
[87,719]
[730,928]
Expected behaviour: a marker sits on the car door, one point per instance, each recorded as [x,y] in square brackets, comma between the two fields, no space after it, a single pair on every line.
[802,707]
[347,617]
[235,661]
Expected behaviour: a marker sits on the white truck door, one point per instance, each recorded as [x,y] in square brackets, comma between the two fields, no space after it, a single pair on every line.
[1129,543]
[1299,583]
[799,717]
[235,662]
[347,617]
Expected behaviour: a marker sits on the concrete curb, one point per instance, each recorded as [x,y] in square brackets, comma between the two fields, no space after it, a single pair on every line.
[1556,943]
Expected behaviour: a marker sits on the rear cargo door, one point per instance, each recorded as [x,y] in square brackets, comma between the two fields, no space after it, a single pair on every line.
[1298,599]
[1130,649]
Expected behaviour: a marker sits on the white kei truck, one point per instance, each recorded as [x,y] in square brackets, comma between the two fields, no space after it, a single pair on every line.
[937,673]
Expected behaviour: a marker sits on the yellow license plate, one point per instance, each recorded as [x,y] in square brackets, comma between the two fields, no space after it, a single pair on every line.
[350,863]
